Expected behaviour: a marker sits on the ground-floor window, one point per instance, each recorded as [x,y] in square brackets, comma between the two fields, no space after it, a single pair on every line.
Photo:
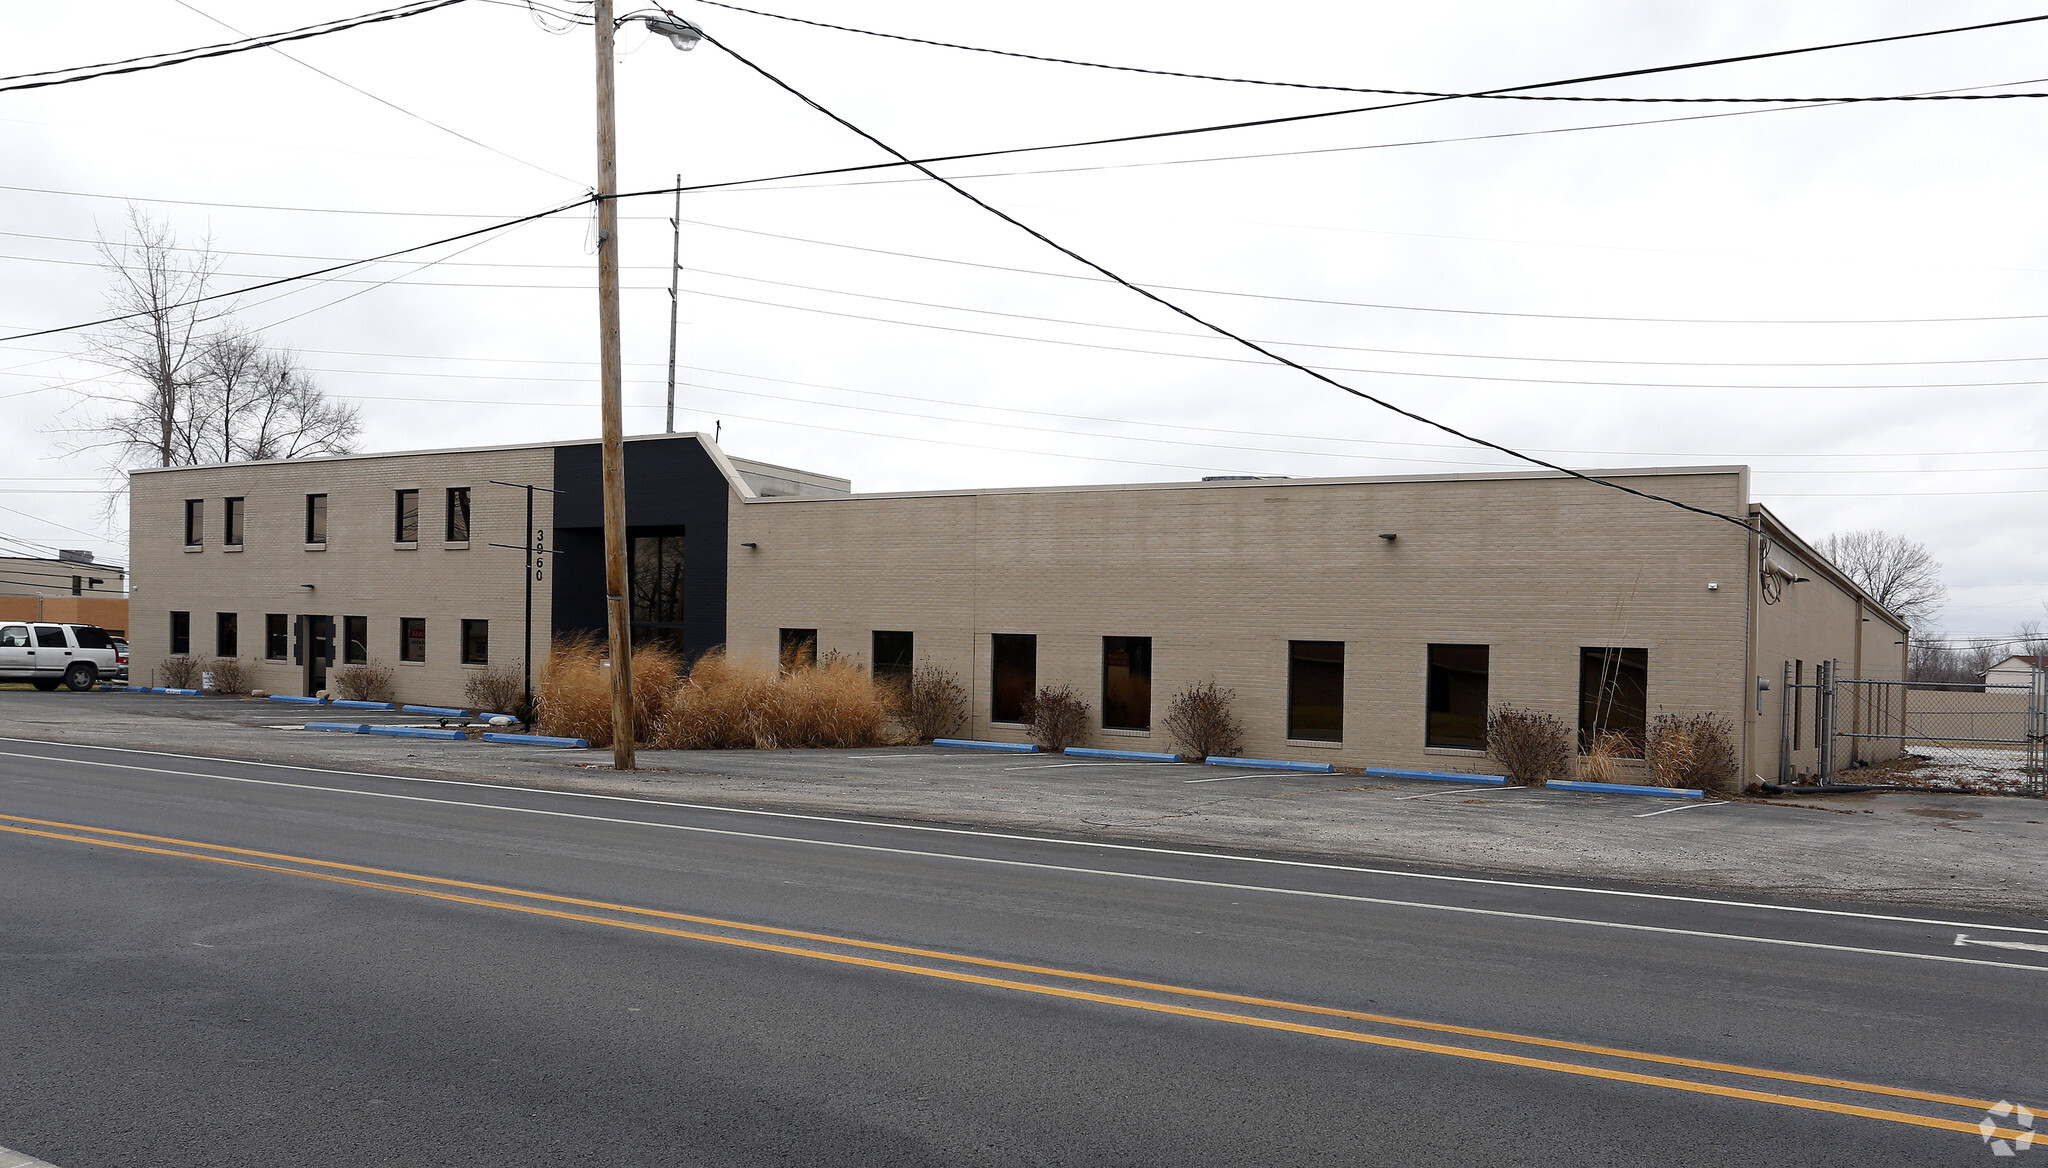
[476,642]
[1013,676]
[355,640]
[892,658]
[654,573]
[1457,696]
[181,633]
[276,638]
[226,634]
[412,638]
[1315,691]
[798,649]
[1614,686]
[1127,683]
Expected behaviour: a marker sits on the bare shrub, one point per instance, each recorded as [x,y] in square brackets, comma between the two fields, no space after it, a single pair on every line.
[1528,746]
[230,676]
[371,681]
[179,672]
[497,689]
[1058,717]
[1693,750]
[573,691]
[727,705]
[1600,762]
[1202,719]
[933,705]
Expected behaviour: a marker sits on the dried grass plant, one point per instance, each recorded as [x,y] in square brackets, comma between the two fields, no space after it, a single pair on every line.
[1694,750]
[1529,746]
[740,705]
[1600,762]
[573,691]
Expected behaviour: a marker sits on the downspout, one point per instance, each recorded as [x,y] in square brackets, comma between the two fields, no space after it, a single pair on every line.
[1752,697]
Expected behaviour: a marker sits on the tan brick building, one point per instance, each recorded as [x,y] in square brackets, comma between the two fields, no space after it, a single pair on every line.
[1358,620]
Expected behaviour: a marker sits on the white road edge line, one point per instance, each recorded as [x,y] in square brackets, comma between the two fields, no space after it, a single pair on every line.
[1069,869]
[1034,839]
[1681,807]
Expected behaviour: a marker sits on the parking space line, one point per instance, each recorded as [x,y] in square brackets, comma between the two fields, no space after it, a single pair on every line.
[1464,791]
[1680,807]
[1046,766]
[1224,778]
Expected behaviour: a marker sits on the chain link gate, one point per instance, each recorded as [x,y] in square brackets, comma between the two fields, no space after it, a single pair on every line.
[1992,736]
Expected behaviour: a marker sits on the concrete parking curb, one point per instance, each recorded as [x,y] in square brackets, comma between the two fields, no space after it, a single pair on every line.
[416,732]
[1438,776]
[339,727]
[976,744]
[298,701]
[353,704]
[1622,789]
[1272,764]
[537,740]
[444,711]
[1136,755]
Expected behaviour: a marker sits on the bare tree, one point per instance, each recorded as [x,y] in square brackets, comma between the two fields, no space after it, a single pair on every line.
[1934,662]
[1897,572]
[250,402]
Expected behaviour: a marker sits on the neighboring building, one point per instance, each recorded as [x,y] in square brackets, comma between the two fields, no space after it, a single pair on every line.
[71,589]
[2015,670]
[1359,620]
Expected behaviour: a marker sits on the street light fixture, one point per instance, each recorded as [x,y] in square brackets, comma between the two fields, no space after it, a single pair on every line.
[680,33]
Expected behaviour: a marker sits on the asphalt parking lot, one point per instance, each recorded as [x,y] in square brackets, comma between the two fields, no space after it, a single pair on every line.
[1907,848]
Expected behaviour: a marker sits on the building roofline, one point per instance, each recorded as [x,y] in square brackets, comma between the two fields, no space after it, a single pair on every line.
[1812,555]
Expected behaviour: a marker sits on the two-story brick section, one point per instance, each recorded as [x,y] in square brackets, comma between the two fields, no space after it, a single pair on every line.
[1358,620]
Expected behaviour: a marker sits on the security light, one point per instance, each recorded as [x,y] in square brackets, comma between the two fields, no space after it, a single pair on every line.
[680,33]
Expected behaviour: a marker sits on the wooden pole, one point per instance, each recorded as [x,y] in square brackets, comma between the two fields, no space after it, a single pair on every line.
[619,615]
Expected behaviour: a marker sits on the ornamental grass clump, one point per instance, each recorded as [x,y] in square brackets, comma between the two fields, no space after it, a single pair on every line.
[1202,721]
[1693,750]
[741,705]
[1529,746]
[1600,761]
[573,691]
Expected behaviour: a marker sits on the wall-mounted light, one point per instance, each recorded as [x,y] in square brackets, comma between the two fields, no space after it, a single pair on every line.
[1389,536]
[755,546]
[307,587]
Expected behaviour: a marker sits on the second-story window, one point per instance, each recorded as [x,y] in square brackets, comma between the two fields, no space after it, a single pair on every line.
[316,519]
[231,521]
[195,522]
[407,528]
[458,514]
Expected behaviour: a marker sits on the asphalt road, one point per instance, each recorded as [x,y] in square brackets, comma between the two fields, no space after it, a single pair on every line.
[225,963]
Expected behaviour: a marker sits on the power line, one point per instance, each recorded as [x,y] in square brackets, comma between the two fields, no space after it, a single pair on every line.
[1492,95]
[49,77]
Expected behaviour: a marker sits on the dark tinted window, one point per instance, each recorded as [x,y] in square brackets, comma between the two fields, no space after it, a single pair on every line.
[1614,686]
[1127,683]
[892,658]
[195,522]
[181,633]
[798,649]
[407,528]
[1013,675]
[92,637]
[52,637]
[316,519]
[355,640]
[231,521]
[476,642]
[1315,690]
[458,514]
[276,637]
[654,570]
[227,634]
[1457,696]
[412,638]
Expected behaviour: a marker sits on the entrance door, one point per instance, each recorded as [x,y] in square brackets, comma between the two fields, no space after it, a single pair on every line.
[316,639]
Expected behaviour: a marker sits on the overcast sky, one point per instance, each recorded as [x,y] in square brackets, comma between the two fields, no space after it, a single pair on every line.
[1499,264]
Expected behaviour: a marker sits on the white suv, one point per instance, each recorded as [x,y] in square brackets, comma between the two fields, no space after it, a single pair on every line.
[48,655]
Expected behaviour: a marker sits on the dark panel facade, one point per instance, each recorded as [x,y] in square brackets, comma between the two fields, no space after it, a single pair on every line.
[671,485]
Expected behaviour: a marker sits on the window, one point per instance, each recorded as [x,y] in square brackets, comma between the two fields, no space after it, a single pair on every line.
[1315,691]
[14,637]
[316,519]
[355,640]
[1013,676]
[654,572]
[276,640]
[78,586]
[1614,687]
[195,522]
[458,514]
[412,638]
[1457,697]
[227,634]
[51,637]
[231,521]
[892,659]
[1127,683]
[476,642]
[181,633]
[91,637]
[799,649]
[407,527]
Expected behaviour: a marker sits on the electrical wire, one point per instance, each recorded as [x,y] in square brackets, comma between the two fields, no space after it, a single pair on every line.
[1491,95]
[48,77]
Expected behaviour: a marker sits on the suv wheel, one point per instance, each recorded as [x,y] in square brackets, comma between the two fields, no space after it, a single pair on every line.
[81,676]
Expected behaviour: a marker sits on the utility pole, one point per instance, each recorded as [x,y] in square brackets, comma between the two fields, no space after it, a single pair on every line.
[618,616]
[675,270]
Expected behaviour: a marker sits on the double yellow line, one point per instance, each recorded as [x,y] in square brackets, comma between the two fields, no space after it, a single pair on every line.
[638,919]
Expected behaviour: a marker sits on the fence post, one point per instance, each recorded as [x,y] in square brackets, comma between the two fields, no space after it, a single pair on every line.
[1786,697]
[1824,715]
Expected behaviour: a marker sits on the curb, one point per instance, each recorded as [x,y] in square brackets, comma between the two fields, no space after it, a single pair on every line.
[1622,789]
[536,740]
[416,732]
[1139,755]
[352,704]
[975,744]
[297,701]
[339,727]
[1440,776]
[1272,764]
[442,710]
